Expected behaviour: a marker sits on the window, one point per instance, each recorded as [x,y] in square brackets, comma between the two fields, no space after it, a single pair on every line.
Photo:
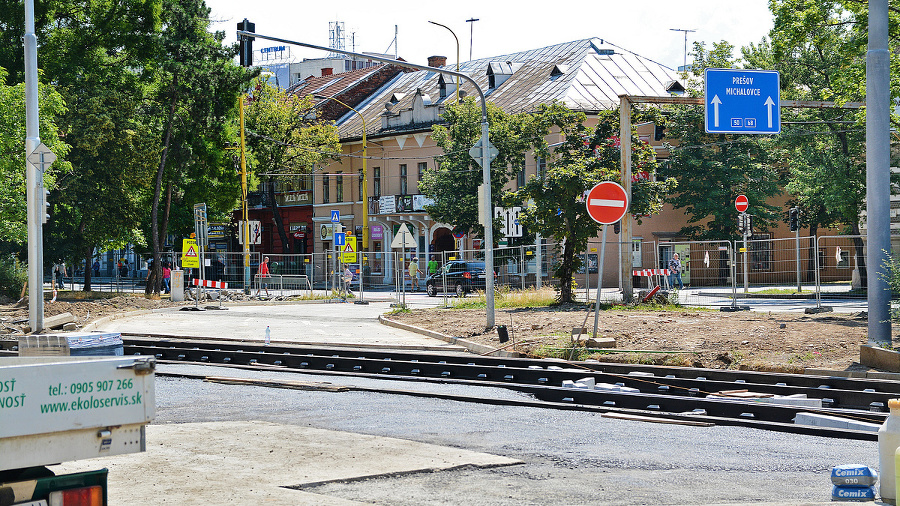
[423,166]
[637,252]
[326,198]
[520,176]
[376,182]
[361,181]
[340,187]
[541,166]
[403,179]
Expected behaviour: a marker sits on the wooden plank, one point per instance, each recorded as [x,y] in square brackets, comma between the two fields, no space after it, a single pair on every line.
[289,384]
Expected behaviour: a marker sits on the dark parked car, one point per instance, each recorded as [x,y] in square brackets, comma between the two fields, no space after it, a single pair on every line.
[461,276]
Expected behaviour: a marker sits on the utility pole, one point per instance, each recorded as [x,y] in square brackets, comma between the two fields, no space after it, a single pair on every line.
[878,173]
[685,44]
[471,22]
[34,178]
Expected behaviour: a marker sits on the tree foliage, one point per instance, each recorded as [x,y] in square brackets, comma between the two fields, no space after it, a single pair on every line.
[585,158]
[284,141]
[713,169]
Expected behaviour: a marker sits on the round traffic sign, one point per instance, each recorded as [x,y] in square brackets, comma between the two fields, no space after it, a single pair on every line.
[607,202]
[741,203]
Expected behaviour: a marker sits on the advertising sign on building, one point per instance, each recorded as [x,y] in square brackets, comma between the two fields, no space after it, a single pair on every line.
[376,232]
[294,199]
[404,203]
[387,204]
[420,201]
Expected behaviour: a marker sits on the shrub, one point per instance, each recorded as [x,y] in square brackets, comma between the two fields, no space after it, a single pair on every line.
[13,276]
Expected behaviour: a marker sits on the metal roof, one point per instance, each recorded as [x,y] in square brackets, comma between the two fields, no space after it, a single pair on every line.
[580,74]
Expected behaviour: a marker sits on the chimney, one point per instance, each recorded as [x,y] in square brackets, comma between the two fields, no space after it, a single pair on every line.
[437,61]
[327,71]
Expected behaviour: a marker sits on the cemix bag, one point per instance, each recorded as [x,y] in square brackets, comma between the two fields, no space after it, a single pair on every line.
[854,475]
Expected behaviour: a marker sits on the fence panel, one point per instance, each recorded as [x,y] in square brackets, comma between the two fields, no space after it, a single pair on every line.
[782,265]
[706,271]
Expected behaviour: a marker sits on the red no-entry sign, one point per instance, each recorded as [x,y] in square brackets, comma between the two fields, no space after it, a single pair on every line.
[607,202]
[741,203]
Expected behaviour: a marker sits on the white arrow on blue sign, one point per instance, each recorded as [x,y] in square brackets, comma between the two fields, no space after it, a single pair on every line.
[742,101]
[340,238]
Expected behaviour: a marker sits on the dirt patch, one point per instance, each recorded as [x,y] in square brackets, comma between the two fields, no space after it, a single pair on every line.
[745,340]
[14,316]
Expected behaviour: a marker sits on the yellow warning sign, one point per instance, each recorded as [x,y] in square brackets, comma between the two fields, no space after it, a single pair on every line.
[190,258]
[348,252]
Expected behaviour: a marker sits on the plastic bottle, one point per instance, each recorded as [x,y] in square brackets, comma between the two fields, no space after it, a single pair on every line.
[888,442]
[269,337]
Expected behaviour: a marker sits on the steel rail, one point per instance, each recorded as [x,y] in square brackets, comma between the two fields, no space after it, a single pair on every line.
[659,394]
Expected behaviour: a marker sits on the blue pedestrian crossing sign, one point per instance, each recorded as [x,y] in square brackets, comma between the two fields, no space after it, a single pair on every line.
[335,216]
[742,101]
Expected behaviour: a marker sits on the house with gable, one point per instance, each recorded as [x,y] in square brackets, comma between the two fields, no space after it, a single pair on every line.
[587,75]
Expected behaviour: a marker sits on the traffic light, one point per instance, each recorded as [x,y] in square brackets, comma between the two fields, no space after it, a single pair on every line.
[749,224]
[45,204]
[740,223]
[617,227]
[246,49]
[794,219]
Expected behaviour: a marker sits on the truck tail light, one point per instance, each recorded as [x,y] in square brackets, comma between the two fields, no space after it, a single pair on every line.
[467,275]
[87,496]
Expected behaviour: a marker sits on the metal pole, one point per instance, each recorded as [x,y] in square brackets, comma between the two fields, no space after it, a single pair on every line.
[489,226]
[878,184]
[244,212]
[797,247]
[599,281]
[625,227]
[457,54]
[746,255]
[34,183]
[538,258]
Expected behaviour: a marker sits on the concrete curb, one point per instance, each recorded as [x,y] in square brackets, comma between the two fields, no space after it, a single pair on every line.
[469,345]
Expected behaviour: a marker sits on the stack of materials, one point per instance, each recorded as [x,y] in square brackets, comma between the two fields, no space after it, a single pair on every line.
[853,482]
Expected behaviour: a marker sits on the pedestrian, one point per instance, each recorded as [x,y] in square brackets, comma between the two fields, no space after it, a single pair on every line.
[59,272]
[348,278]
[167,276]
[675,272]
[432,266]
[414,273]
[96,268]
[263,274]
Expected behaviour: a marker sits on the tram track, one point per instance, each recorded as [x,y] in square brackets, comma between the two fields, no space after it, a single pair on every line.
[674,393]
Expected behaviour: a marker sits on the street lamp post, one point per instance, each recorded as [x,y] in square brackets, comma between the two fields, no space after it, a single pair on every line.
[457,55]
[365,190]
[245,228]
[485,152]
[471,22]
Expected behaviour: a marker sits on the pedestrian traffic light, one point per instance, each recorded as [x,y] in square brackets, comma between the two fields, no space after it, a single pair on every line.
[45,204]
[617,227]
[749,224]
[246,43]
[740,223]
[794,219]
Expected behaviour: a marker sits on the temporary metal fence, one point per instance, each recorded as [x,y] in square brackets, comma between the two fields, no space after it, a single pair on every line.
[707,271]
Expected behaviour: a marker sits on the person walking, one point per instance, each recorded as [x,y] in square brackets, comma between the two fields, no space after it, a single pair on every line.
[262,274]
[675,272]
[59,272]
[414,273]
[432,267]
[96,267]
[348,279]
[167,276]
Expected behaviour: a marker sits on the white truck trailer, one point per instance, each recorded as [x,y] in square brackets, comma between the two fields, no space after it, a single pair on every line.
[60,409]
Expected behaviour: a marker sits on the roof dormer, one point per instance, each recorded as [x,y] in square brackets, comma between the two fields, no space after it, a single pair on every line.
[499,72]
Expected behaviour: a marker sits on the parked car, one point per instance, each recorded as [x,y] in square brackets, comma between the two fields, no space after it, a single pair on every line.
[462,276]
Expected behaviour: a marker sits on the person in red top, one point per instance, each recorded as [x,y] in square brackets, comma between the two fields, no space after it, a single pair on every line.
[262,274]
[167,276]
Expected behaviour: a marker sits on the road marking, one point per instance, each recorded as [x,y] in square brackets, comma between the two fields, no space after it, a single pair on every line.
[607,203]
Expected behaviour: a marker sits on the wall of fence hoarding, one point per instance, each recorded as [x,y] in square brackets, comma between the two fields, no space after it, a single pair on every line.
[715,273]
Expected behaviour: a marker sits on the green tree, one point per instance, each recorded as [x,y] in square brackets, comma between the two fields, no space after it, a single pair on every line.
[713,169]
[12,154]
[454,186]
[195,90]
[284,141]
[585,157]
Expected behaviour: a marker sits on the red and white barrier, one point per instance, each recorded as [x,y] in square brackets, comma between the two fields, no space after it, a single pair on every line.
[211,284]
[651,272]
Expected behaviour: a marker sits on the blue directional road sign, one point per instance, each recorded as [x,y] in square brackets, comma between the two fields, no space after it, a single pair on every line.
[340,238]
[742,101]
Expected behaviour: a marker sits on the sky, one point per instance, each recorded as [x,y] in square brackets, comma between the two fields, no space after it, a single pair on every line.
[641,26]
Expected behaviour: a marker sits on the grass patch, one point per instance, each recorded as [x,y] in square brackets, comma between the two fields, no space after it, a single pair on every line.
[399,310]
[507,298]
